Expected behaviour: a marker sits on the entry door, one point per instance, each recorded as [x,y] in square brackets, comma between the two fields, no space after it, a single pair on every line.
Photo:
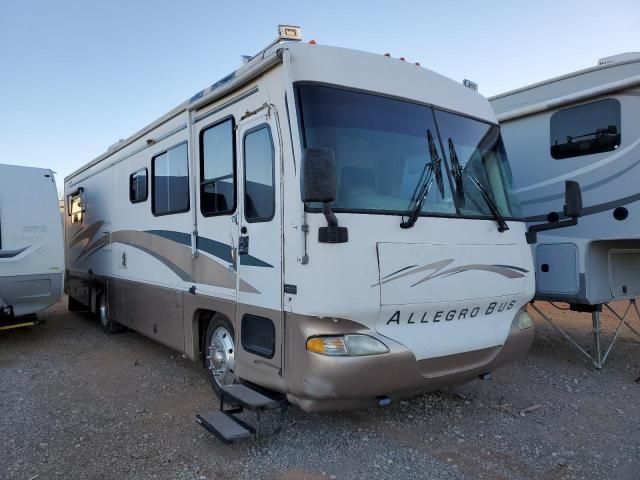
[259,274]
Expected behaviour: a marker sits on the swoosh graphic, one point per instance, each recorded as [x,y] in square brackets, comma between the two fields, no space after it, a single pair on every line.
[12,253]
[432,266]
[507,271]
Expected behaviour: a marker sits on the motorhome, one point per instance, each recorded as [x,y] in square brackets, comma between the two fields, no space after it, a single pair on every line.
[582,127]
[304,225]
[31,244]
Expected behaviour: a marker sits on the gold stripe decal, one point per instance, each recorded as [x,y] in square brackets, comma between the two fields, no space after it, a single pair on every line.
[174,255]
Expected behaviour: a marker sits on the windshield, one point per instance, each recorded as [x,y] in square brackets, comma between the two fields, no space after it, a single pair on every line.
[381,148]
[480,152]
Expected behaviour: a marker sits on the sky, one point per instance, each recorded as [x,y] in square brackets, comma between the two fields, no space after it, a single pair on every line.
[77,75]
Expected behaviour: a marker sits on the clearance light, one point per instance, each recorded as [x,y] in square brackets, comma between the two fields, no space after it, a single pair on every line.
[387,54]
[346,346]
[312,42]
[289,32]
[524,320]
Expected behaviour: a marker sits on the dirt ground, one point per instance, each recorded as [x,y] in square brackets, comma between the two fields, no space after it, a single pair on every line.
[79,404]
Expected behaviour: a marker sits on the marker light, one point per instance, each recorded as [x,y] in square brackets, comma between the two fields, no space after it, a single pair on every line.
[346,346]
[289,32]
[312,42]
[387,54]
[524,320]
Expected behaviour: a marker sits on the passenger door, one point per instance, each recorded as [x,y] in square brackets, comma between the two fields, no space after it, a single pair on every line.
[259,266]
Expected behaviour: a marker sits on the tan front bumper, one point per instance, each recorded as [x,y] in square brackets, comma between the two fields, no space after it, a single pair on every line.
[319,383]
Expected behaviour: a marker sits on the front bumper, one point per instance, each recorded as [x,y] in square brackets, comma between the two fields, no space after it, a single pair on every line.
[321,383]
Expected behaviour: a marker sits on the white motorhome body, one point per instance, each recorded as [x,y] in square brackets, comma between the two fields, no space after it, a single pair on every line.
[197,220]
[31,245]
[583,126]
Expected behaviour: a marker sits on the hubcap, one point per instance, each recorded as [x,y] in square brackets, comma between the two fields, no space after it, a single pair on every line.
[103,311]
[221,357]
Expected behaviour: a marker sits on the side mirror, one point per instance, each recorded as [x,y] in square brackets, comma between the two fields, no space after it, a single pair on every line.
[318,179]
[318,184]
[572,199]
[572,209]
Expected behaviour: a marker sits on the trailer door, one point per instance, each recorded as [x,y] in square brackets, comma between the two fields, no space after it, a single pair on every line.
[259,277]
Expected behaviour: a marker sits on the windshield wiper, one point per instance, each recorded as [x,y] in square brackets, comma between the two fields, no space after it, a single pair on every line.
[423,186]
[502,224]
[456,171]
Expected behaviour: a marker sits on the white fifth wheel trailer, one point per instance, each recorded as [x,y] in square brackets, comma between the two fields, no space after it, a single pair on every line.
[31,245]
[583,127]
[305,225]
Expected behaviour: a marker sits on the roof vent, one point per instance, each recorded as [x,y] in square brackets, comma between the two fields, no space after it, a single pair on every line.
[621,57]
[115,145]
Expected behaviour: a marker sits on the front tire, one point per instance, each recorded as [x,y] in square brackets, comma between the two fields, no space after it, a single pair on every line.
[219,353]
[108,325]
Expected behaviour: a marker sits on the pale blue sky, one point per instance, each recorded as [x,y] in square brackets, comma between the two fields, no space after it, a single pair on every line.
[75,76]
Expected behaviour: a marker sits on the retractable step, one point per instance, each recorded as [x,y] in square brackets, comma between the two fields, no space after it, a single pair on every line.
[224,426]
[229,428]
[248,398]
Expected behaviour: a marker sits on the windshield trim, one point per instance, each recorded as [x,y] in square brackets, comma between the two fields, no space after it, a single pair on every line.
[367,211]
[458,215]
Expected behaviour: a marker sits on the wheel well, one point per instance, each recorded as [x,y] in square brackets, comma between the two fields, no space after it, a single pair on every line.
[204,318]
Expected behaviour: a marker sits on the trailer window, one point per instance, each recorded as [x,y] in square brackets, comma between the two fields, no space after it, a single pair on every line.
[586,129]
[138,189]
[217,169]
[76,207]
[259,193]
[170,172]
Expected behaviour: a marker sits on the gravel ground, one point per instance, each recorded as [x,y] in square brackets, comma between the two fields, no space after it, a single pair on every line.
[78,404]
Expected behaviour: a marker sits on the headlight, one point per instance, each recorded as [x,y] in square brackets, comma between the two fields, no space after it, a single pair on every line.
[524,320]
[346,345]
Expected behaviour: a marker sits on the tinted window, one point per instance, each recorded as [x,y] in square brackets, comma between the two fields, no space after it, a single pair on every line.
[477,146]
[171,181]
[217,177]
[586,129]
[259,196]
[138,186]
[381,148]
[76,208]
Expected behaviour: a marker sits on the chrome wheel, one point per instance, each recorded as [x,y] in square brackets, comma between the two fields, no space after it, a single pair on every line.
[103,311]
[221,357]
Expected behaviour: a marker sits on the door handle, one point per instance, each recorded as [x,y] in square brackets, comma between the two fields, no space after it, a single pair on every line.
[243,245]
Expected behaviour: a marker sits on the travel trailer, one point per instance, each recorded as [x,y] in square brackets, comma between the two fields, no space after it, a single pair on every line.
[305,225]
[582,127]
[31,245]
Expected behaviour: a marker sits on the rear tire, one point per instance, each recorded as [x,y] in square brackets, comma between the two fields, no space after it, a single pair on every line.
[219,353]
[108,325]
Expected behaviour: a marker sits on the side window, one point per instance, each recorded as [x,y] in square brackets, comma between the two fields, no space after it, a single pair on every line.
[170,171]
[586,129]
[217,169]
[75,206]
[138,189]
[259,193]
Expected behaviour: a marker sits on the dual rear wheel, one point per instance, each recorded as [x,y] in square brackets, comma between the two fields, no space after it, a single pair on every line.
[220,353]
[102,311]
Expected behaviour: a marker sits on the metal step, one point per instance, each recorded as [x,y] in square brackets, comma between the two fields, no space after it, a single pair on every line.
[248,398]
[224,426]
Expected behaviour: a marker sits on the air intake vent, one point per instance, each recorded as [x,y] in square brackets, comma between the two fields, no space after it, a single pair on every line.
[621,57]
